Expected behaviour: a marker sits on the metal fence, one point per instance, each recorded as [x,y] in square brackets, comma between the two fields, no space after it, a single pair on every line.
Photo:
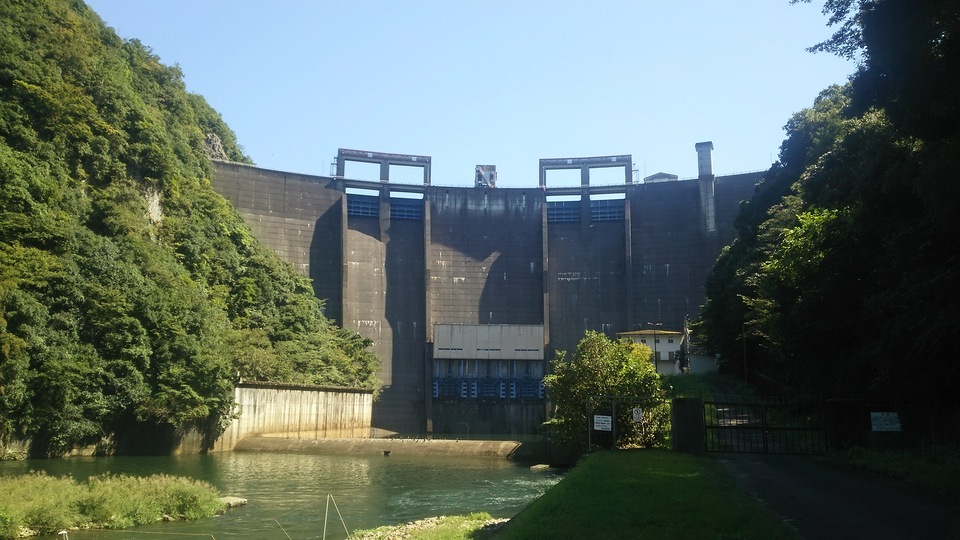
[765,425]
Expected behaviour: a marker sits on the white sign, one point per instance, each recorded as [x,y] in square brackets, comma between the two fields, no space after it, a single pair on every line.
[602,422]
[885,421]
[637,415]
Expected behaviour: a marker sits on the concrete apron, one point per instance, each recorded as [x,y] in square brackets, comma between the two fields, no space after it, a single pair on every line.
[412,447]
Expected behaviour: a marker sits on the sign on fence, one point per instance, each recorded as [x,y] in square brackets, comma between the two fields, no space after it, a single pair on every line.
[602,422]
[885,421]
[637,415]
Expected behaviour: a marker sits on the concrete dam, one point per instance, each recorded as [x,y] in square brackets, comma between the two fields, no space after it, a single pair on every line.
[468,292]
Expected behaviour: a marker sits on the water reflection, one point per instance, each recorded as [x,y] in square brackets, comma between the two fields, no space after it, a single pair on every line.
[292,489]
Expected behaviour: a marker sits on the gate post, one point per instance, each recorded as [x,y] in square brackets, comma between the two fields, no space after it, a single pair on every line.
[687,427]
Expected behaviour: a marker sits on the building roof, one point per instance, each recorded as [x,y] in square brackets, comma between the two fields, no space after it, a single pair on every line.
[649,333]
[660,177]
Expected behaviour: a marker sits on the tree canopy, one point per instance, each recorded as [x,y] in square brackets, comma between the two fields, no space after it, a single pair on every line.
[600,373]
[129,290]
[844,277]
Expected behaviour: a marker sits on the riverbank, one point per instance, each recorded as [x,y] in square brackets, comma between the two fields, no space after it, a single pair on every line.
[661,494]
[444,527]
[630,494]
[384,447]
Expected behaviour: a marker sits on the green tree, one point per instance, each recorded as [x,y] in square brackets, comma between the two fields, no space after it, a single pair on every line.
[845,271]
[129,290]
[728,325]
[600,372]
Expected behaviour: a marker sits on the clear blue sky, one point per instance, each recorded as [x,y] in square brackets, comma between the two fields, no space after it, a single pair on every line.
[495,82]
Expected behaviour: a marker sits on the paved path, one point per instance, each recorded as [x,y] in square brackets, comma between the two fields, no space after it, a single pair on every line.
[823,502]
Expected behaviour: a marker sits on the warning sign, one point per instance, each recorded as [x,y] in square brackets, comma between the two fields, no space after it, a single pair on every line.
[602,422]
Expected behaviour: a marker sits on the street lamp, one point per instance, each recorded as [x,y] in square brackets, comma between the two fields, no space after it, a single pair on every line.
[655,325]
[743,339]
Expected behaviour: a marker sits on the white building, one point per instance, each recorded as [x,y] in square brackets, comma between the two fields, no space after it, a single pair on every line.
[665,345]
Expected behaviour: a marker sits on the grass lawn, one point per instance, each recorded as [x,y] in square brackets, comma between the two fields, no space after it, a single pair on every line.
[646,494]
[623,494]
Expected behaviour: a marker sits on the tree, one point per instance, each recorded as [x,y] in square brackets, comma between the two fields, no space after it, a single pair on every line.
[130,291]
[725,317]
[600,372]
[846,266]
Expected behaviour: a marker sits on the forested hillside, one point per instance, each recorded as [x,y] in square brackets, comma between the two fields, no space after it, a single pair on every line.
[845,278]
[130,292]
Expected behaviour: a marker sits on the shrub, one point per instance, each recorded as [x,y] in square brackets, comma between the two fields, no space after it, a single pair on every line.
[601,376]
[47,504]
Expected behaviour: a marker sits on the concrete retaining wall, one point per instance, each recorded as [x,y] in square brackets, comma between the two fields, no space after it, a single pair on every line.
[393,447]
[293,411]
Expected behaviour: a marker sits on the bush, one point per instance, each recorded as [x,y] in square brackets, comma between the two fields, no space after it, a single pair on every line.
[609,378]
[47,504]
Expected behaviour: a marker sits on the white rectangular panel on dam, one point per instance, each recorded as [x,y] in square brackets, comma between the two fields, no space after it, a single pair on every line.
[488,341]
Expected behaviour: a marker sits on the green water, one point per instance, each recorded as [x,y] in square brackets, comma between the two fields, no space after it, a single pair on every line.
[290,491]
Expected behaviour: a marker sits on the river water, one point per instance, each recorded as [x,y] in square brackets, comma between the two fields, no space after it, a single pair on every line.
[288,493]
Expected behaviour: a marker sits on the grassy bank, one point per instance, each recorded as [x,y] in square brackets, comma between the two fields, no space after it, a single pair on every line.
[629,494]
[647,494]
[40,504]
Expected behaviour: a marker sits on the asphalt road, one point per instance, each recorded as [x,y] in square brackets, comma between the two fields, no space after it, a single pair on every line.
[823,502]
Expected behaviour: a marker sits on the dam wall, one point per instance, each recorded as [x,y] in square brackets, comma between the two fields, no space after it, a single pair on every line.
[486,255]
[393,261]
[587,279]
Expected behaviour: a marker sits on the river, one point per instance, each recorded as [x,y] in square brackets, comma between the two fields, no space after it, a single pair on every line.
[291,490]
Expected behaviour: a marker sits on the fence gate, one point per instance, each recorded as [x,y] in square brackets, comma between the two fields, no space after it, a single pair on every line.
[748,424]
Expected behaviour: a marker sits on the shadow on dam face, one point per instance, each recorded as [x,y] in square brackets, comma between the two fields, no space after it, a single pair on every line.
[401,406]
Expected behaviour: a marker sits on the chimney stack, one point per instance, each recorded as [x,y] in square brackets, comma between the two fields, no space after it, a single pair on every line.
[707,186]
[705,158]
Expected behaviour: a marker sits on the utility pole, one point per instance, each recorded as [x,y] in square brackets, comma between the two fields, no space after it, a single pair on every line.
[743,339]
[655,358]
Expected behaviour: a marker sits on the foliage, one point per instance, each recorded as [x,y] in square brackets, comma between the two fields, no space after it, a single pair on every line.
[600,373]
[843,275]
[46,504]
[129,290]
[647,494]
[703,385]
[725,314]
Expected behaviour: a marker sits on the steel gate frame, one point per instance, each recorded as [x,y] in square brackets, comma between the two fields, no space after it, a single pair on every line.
[780,425]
